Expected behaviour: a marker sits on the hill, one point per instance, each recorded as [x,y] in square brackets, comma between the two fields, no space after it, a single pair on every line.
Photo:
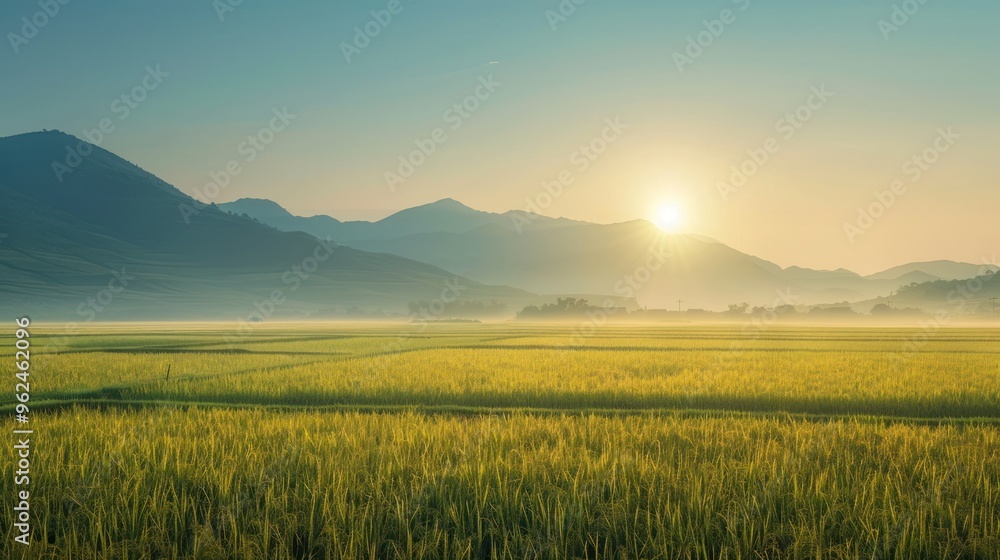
[560,256]
[929,271]
[446,216]
[80,222]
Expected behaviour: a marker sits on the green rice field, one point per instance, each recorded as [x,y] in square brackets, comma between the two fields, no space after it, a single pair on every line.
[509,441]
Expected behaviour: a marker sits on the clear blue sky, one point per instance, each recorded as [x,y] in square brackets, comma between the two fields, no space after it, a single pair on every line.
[608,59]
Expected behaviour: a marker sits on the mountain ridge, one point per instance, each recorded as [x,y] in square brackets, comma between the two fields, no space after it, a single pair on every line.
[497,252]
[69,234]
[67,231]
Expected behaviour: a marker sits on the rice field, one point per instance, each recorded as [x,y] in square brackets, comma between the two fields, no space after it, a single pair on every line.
[506,441]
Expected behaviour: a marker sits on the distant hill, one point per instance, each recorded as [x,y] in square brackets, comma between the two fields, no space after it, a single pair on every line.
[559,256]
[443,216]
[67,239]
[71,224]
[929,271]
[948,299]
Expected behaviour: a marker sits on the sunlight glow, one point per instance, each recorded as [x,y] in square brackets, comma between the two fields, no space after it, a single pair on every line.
[669,217]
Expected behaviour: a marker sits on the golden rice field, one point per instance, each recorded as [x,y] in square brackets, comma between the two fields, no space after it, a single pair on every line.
[507,441]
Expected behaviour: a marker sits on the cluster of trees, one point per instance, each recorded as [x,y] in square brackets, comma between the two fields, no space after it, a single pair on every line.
[984,285]
[976,295]
[744,308]
[563,307]
[574,307]
[841,308]
[883,310]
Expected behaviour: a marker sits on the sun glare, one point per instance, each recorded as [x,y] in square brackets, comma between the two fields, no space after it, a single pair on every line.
[669,217]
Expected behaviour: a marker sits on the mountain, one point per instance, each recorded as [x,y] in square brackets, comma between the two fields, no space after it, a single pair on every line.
[929,271]
[447,216]
[560,256]
[592,258]
[89,235]
[948,300]
[80,223]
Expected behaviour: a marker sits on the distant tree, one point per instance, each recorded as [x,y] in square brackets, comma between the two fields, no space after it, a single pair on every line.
[529,311]
[882,309]
[738,309]
[563,307]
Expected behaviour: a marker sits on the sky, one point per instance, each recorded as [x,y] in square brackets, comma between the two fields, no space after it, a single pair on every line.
[780,128]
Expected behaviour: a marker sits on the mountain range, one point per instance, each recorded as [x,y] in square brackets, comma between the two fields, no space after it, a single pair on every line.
[86,235]
[558,256]
[72,239]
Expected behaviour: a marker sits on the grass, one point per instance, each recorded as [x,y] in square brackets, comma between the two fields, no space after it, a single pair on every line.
[933,385]
[399,442]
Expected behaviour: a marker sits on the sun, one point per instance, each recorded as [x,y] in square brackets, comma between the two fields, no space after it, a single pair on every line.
[669,217]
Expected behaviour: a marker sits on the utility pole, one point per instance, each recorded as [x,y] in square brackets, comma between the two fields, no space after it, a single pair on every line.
[679,302]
